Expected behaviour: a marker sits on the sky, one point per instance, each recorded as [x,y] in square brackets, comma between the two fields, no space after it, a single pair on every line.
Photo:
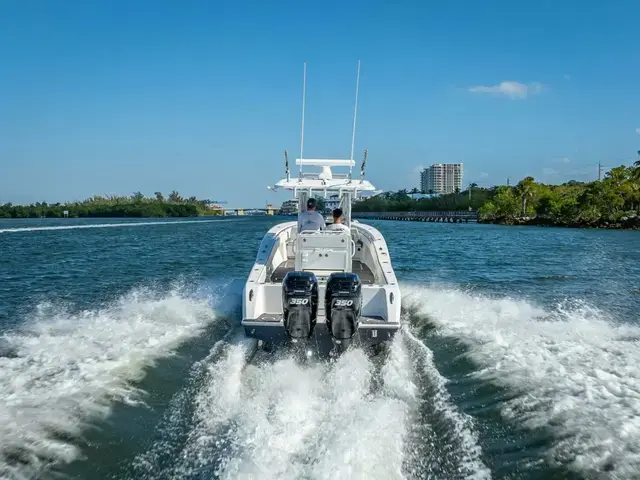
[202,97]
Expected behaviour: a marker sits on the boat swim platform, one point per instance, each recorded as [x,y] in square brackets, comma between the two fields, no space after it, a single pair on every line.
[366,275]
[278,318]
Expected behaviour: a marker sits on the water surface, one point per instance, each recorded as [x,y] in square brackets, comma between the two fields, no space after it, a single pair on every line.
[121,357]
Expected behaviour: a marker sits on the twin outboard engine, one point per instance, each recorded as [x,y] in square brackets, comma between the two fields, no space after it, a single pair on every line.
[300,304]
[343,306]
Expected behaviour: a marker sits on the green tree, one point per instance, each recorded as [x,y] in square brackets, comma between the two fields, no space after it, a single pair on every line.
[320,203]
[174,197]
[526,190]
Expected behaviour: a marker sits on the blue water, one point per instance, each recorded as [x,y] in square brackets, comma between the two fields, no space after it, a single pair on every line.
[121,357]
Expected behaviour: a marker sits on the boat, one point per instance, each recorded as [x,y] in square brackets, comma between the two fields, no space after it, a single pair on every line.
[324,290]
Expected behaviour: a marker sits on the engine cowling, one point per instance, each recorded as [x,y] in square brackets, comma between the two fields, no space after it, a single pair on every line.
[343,306]
[299,304]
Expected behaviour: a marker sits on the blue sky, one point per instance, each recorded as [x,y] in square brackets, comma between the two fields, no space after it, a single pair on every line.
[203,97]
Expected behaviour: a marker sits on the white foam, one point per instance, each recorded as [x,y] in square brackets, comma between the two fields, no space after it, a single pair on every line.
[575,369]
[100,225]
[69,369]
[284,420]
[459,426]
[176,420]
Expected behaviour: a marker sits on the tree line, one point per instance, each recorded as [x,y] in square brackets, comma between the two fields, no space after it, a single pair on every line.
[615,198]
[136,205]
[474,197]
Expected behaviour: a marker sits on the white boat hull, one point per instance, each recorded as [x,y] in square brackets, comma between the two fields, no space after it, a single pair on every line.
[367,256]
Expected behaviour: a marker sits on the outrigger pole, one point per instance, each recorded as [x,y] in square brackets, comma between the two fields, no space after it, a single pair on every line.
[353,132]
[355,114]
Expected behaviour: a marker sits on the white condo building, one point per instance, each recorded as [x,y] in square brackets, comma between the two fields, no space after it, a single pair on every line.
[441,178]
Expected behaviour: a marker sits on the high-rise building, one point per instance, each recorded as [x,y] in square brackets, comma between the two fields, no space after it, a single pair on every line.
[441,178]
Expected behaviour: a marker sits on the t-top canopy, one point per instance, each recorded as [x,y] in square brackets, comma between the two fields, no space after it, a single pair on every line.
[318,162]
[325,180]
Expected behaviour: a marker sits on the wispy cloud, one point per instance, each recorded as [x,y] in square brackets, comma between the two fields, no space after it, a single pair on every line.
[562,160]
[550,171]
[509,89]
[567,77]
[638,131]
[483,175]
[586,171]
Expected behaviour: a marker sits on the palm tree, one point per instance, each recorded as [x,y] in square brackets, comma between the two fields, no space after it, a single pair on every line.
[635,177]
[174,197]
[159,196]
[525,188]
[635,174]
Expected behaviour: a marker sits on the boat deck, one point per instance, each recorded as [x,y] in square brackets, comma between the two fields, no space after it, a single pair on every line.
[366,275]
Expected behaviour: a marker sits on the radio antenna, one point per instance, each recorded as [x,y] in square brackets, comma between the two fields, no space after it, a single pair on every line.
[355,115]
[304,94]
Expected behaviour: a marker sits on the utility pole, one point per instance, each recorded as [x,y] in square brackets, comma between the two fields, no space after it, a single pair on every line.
[507,181]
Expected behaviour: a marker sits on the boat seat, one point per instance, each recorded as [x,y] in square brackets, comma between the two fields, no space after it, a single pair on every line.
[324,251]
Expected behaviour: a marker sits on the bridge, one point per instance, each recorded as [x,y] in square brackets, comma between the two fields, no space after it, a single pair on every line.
[269,210]
[459,216]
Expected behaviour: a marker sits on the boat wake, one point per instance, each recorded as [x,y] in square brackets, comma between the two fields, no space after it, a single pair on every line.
[356,417]
[571,371]
[99,225]
[63,370]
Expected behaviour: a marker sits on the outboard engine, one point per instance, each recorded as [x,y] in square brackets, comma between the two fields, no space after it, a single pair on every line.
[343,306]
[299,304]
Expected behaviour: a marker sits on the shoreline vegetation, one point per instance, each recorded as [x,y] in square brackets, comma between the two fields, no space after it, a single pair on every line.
[112,206]
[613,202]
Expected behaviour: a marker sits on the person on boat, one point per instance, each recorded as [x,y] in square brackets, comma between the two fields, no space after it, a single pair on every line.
[310,220]
[338,218]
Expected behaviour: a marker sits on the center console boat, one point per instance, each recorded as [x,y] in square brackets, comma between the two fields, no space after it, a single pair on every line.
[324,289]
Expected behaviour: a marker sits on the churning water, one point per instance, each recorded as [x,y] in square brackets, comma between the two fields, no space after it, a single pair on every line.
[121,357]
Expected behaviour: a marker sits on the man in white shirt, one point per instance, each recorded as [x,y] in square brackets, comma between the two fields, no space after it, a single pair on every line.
[338,218]
[310,220]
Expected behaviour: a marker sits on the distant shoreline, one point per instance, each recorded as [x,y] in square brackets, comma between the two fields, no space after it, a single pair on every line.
[136,206]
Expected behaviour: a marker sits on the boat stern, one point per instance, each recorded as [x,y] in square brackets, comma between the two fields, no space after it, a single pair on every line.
[366,316]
